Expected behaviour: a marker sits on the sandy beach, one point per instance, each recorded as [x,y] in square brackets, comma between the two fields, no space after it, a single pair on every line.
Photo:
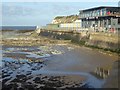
[52,65]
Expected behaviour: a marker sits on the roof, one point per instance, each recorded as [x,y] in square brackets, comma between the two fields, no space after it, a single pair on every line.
[95,8]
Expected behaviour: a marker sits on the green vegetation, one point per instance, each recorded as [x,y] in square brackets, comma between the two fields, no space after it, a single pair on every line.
[111,50]
[66,19]
[34,34]
[77,41]
[105,49]
[7,30]
[59,17]
[24,31]
[41,54]
[66,37]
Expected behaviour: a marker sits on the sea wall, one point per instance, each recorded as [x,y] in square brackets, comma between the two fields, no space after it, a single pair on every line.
[106,41]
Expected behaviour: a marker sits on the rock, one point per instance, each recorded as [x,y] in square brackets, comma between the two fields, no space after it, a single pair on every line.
[20,78]
[20,88]
[37,80]
[44,77]
[28,86]
[29,72]
[5,80]
[12,86]
[5,75]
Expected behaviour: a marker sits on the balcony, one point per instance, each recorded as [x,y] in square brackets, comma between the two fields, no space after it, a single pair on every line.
[98,15]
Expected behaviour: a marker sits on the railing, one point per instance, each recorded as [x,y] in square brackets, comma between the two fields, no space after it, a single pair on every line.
[115,14]
[78,30]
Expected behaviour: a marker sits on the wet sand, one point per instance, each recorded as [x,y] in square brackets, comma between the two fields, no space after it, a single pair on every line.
[81,59]
[73,67]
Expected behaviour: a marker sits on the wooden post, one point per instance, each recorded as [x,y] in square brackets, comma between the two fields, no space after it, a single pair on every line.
[95,71]
[108,72]
[100,72]
[104,76]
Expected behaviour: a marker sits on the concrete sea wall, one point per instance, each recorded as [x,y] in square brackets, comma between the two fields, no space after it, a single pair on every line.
[106,41]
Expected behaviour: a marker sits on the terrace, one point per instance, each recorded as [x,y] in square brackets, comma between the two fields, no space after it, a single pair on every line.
[100,12]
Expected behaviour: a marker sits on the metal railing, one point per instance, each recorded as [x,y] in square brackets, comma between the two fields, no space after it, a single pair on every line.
[78,29]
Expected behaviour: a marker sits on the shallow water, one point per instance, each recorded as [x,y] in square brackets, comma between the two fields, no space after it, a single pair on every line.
[78,61]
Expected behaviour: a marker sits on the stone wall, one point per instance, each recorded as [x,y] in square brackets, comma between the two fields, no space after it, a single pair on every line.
[104,40]
[107,41]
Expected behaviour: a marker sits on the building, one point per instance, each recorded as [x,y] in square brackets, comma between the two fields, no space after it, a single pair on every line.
[76,24]
[101,18]
[52,26]
[37,29]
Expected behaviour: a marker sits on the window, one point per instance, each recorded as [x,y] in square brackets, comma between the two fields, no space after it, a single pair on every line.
[105,23]
[109,22]
[118,20]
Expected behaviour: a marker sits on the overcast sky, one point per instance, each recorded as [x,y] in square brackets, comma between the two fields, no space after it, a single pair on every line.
[41,13]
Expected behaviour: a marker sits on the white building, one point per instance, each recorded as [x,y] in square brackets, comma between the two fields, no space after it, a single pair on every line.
[37,29]
[76,24]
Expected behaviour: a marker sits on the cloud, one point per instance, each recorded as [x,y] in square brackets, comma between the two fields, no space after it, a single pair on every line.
[62,9]
[14,10]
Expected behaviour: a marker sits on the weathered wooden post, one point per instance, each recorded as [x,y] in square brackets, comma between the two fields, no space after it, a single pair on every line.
[108,72]
[104,75]
[97,71]
[100,72]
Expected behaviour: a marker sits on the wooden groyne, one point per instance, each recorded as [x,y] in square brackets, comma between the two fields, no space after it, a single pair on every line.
[103,72]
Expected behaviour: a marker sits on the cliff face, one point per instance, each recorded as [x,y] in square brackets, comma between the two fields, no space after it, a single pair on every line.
[64,19]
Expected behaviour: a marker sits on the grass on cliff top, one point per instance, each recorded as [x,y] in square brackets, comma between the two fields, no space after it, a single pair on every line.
[66,19]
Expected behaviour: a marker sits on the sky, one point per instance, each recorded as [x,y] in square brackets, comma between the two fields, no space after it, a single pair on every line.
[42,13]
